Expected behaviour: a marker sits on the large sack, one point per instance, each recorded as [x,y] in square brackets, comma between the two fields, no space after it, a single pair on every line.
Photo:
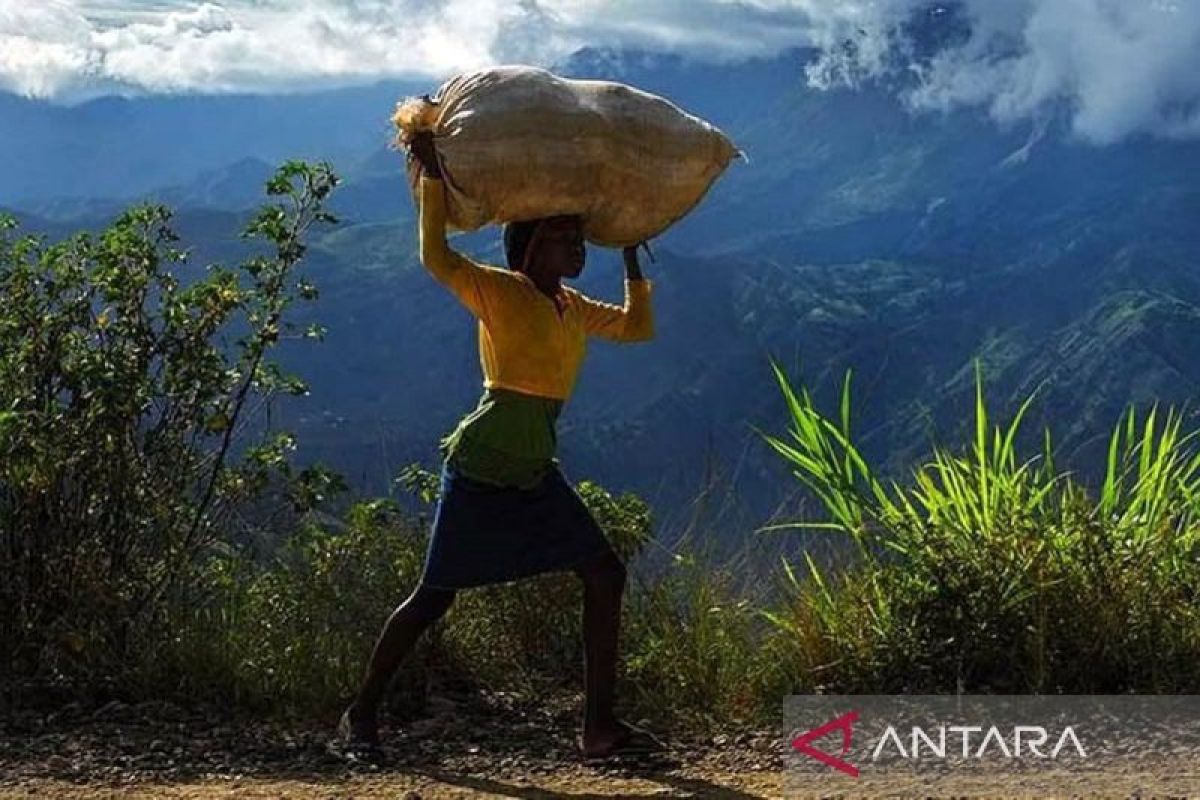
[519,142]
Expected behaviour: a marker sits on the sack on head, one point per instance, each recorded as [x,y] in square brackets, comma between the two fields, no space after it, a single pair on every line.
[519,142]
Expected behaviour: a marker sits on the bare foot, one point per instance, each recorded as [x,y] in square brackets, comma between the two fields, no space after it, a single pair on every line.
[359,727]
[619,739]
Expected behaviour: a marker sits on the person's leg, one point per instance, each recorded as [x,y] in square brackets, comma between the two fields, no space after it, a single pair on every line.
[423,607]
[603,585]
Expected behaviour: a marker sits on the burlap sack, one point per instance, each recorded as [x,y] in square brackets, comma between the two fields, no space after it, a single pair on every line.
[519,142]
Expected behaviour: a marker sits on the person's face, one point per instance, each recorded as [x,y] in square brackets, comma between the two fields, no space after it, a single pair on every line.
[560,249]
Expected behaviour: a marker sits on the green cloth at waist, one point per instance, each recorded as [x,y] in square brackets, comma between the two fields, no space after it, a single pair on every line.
[508,440]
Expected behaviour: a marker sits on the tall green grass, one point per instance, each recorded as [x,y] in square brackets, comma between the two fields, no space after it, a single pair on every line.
[989,570]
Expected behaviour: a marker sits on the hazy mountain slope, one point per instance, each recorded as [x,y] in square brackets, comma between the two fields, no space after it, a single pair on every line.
[116,147]
[859,236]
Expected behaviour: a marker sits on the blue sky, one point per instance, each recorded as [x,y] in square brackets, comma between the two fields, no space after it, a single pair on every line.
[1122,67]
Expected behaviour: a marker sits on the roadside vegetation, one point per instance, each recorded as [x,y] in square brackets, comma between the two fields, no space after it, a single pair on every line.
[137,468]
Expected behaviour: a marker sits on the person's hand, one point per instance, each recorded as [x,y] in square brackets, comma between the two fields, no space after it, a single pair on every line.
[421,149]
[633,269]
[630,252]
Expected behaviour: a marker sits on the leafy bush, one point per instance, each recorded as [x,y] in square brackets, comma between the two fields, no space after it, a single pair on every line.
[119,412]
[294,631]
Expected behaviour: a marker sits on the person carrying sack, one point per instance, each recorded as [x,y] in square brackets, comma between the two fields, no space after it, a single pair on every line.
[505,510]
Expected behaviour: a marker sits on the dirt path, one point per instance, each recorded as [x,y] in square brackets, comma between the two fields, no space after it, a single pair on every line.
[159,751]
[426,785]
[156,750]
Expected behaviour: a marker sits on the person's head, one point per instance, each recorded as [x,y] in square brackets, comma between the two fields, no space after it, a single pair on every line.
[548,246]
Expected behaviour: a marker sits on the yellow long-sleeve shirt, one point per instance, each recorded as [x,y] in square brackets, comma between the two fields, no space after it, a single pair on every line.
[525,343]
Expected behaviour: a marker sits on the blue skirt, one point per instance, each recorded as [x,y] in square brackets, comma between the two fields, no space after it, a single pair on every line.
[484,533]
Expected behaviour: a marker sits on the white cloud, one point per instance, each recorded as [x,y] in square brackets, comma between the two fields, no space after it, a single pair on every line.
[57,48]
[39,47]
[1121,67]
[62,49]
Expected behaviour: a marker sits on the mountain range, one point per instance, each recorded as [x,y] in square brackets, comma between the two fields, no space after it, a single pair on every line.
[860,235]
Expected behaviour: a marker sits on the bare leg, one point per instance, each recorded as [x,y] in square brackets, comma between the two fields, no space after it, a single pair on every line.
[423,607]
[603,585]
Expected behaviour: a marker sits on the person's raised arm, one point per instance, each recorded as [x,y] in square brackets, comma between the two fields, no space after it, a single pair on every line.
[436,254]
[633,322]
[468,280]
